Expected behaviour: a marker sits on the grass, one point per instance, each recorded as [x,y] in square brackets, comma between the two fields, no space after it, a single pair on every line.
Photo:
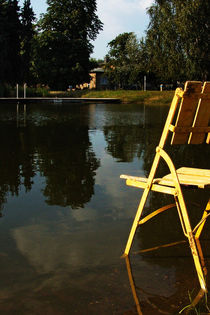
[126,96]
[137,97]
[198,306]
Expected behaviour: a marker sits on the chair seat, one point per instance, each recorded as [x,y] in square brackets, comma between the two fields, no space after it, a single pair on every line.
[200,178]
[188,177]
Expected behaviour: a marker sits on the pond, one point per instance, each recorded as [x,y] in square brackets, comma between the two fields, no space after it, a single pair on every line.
[66,214]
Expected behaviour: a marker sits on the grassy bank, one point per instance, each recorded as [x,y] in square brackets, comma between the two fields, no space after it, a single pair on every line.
[126,96]
[138,97]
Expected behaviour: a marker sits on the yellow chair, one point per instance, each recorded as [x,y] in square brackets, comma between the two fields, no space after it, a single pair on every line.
[190,110]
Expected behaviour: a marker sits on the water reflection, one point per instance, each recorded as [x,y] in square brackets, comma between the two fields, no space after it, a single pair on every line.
[147,303]
[67,214]
[59,152]
[127,136]
[68,165]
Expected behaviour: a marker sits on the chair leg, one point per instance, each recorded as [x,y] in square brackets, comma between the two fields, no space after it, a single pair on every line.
[192,241]
[198,233]
[136,221]
[203,220]
[200,252]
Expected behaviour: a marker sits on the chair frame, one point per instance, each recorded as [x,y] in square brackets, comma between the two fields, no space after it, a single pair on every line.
[192,130]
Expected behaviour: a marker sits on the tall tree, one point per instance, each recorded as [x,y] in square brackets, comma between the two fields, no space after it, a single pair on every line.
[27,35]
[177,39]
[124,66]
[3,39]
[9,41]
[165,52]
[12,45]
[193,24]
[64,42]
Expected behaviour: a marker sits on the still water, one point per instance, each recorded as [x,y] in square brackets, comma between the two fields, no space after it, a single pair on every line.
[66,214]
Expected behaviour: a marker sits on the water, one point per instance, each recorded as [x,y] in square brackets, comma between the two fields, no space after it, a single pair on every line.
[66,214]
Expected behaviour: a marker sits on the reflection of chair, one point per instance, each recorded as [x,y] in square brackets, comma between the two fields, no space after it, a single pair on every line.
[191,111]
[134,289]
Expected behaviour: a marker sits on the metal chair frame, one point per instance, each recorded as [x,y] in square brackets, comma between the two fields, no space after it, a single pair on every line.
[191,110]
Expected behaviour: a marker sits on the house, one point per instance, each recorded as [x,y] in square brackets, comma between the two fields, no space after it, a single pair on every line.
[98,79]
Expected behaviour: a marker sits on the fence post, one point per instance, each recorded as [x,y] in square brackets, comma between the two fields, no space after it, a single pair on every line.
[17,92]
[145,83]
[25,90]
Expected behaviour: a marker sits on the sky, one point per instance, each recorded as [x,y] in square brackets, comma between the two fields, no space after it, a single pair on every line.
[118,16]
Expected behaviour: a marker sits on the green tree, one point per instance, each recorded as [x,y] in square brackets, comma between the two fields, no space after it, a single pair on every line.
[64,42]
[124,66]
[177,40]
[193,24]
[3,39]
[13,30]
[27,36]
[164,49]
[9,41]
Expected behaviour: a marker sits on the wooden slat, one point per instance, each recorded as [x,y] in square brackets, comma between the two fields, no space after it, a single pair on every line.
[141,182]
[187,110]
[141,179]
[190,129]
[189,176]
[159,188]
[194,171]
[202,117]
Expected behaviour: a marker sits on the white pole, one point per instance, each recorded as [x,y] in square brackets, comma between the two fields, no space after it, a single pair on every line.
[17,90]
[145,83]
[24,90]
[24,115]
[17,115]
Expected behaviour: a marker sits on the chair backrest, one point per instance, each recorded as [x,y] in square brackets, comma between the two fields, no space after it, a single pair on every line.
[193,117]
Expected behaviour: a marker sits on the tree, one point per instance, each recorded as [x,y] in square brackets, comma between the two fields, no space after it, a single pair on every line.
[27,36]
[177,40]
[3,40]
[165,53]
[13,42]
[193,24]
[64,42]
[9,41]
[124,61]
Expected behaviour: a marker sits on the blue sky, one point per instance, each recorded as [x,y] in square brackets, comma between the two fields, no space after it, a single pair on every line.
[118,16]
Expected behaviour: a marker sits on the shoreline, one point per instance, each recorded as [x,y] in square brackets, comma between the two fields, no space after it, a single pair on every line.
[107,96]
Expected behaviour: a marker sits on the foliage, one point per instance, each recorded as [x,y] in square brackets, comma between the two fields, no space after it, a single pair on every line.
[63,45]
[95,63]
[124,61]
[56,51]
[175,48]
[193,24]
[27,35]
[16,33]
[177,40]
[9,41]
[165,57]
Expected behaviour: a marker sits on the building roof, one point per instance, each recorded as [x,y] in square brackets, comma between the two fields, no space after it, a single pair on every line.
[97,70]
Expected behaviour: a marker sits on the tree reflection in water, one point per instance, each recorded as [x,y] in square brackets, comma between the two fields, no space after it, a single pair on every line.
[71,158]
[61,152]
